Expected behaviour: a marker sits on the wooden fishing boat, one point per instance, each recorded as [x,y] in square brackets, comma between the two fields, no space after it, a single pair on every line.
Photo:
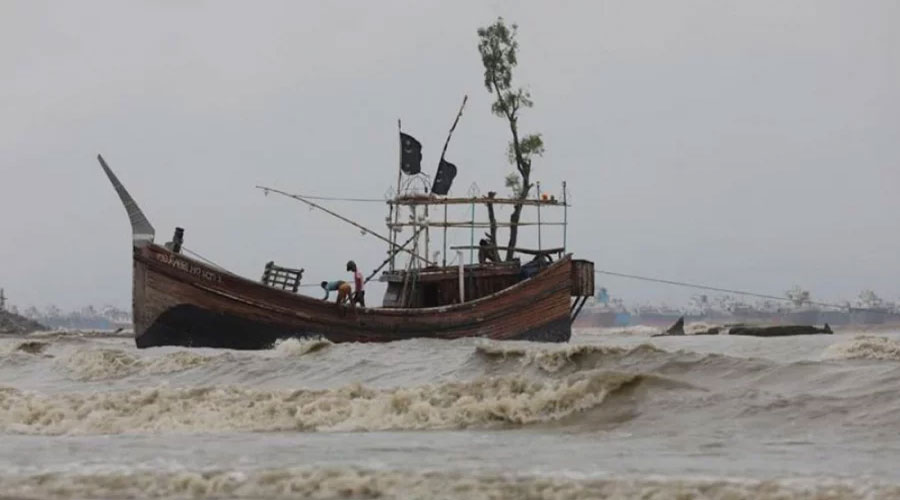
[179,300]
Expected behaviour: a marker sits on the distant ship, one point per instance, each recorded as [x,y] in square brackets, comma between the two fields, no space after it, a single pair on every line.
[658,316]
[603,312]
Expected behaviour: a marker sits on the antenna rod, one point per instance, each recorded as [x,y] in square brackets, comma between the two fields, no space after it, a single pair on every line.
[341,217]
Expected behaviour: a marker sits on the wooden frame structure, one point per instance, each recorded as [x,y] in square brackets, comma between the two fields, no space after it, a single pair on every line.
[415,222]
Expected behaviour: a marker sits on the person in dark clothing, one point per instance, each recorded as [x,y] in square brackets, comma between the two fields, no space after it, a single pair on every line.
[487,250]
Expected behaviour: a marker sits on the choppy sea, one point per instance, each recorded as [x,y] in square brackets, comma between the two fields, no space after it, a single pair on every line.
[613,414]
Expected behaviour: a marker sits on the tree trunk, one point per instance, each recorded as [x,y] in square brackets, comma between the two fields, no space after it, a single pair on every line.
[522,166]
[495,254]
[514,226]
[524,171]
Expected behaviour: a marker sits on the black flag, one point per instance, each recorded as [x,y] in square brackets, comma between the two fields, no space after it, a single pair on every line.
[410,154]
[446,172]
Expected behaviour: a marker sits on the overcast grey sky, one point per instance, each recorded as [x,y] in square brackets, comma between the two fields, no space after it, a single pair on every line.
[744,144]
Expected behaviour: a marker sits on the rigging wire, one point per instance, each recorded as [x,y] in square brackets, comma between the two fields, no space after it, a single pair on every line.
[364,229]
[735,292]
[335,198]
[634,277]
[204,259]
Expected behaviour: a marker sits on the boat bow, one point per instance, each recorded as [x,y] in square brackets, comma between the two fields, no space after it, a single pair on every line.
[141,230]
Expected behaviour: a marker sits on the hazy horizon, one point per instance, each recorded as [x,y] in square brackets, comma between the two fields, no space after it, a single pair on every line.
[746,145]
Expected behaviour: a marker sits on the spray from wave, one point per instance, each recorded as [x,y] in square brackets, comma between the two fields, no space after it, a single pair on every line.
[482,402]
[293,347]
[352,482]
[865,347]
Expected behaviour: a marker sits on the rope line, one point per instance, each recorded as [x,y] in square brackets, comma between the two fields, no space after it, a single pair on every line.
[639,278]
[332,198]
[736,292]
[204,259]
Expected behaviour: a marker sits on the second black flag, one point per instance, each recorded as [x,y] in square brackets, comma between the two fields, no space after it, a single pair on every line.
[446,172]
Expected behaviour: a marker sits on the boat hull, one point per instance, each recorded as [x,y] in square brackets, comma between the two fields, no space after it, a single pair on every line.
[184,302]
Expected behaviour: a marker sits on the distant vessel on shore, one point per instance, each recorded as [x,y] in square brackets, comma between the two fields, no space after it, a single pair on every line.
[868,310]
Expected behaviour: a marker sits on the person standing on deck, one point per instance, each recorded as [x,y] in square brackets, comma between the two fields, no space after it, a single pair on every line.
[342,288]
[359,296]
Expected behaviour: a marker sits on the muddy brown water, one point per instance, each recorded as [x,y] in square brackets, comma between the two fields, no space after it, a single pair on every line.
[614,414]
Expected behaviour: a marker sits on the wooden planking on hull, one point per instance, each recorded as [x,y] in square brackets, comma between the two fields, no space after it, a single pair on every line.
[181,301]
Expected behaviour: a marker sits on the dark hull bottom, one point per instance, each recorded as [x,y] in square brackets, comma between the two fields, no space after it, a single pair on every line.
[191,326]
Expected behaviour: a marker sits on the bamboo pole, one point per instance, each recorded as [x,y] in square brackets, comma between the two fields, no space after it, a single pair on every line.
[395,211]
[538,185]
[472,237]
[445,237]
[565,215]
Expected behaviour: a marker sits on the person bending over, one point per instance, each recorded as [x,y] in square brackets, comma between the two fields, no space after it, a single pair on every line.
[342,287]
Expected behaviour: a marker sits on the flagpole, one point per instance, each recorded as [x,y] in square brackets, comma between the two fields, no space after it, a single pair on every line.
[453,127]
[399,163]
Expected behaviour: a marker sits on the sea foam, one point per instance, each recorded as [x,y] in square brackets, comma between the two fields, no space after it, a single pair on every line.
[338,482]
[865,347]
[482,402]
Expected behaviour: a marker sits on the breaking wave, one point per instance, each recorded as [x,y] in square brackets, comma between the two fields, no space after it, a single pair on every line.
[352,482]
[553,358]
[865,347]
[94,363]
[103,364]
[482,402]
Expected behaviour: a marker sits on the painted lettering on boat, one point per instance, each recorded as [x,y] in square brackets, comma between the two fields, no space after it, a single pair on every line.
[183,265]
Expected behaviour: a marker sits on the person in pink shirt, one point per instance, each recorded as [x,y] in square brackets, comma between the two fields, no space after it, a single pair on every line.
[359,295]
